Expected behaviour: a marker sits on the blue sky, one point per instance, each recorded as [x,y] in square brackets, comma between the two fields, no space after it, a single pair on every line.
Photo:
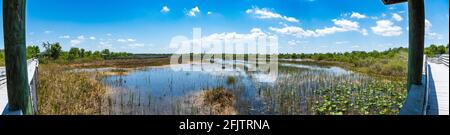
[303,26]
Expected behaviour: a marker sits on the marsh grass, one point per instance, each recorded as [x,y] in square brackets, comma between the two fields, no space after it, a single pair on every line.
[219,101]
[67,93]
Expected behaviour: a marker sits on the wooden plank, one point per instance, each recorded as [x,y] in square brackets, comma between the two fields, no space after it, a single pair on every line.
[439,90]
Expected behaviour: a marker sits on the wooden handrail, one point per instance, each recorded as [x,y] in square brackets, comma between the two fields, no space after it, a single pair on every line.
[32,67]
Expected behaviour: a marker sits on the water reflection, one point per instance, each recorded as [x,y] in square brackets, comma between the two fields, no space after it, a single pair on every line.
[169,90]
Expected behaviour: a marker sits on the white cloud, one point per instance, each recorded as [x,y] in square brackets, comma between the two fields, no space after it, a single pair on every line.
[211,42]
[194,11]
[397,17]
[340,26]
[126,40]
[75,42]
[358,15]
[81,37]
[105,44]
[121,40]
[428,25]
[92,38]
[209,13]
[432,35]
[65,36]
[429,34]
[165,9]
[265,13]
[364,32]
[386,28]
[108,34]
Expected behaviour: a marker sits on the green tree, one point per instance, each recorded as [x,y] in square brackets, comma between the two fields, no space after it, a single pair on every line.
[105,53]
[32,52]
[52,50]
[74,53]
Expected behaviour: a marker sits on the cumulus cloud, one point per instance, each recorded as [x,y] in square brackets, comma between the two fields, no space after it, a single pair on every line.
[80,39]
[193,12]
[265,13]
[358,15]
[342,25]
[386,28]
[75,42]
[165,9]
[428,33]
[213,43]
[397,17]
[92,38]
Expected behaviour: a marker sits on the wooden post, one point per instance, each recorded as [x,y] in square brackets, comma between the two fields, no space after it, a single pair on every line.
[16,63]
[416,13]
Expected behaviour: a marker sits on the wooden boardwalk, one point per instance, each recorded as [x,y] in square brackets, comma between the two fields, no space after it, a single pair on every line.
[32,72]
[438,102]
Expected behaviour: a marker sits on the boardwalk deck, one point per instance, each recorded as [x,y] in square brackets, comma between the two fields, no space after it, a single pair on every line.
[439,90]
[32,67]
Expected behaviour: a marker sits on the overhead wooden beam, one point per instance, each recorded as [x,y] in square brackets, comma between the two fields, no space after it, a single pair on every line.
[389,2]
[15,54]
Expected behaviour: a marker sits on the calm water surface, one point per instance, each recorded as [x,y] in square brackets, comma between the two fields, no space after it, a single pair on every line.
[165,90]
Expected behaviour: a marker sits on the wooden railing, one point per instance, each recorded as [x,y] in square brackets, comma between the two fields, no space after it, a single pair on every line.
[417,99]
[32,66]
[444,59]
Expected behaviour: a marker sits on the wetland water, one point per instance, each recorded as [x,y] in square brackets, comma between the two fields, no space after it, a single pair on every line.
[172,90]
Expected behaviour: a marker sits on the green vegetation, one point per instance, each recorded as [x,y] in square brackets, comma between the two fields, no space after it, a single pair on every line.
[390,63]
[384,98]
[387,63]
[62,92]
[53,52]
[434,50]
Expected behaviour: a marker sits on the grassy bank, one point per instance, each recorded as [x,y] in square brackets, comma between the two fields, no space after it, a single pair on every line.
[64,92]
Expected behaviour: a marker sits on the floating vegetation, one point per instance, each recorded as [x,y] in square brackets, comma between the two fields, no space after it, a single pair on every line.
[231,80]
[355,99]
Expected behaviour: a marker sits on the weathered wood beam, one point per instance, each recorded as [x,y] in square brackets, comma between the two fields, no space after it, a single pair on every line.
[416,13]
[389,2]
[15,54]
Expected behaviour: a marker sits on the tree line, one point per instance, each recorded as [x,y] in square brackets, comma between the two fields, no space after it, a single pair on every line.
[53,51]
